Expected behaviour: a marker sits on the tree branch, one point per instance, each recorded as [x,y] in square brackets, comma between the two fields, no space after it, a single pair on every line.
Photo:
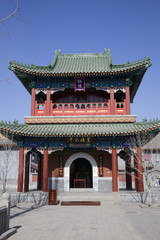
[12,14]
[5,79]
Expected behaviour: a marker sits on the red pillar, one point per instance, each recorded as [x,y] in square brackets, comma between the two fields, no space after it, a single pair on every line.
[48,102]
[139,170]
[45,171]
[135,173]
[114,170]
[26,179]
[20,170]
[33,98]
[112,106]
[128,173]
[39,183]
[128,111]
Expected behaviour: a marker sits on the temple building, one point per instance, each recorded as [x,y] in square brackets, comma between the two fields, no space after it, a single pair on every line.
[80,123]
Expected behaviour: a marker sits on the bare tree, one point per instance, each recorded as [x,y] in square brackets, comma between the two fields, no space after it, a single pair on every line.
[12,13]
[8,164]
[147,170]
[9,9]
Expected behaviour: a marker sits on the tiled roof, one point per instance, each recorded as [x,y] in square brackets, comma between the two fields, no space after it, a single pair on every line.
[5,141]
[2,137]
[77,64]
[63,130]
[154,143]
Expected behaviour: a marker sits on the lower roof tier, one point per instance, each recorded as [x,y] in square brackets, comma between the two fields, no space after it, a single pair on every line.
[79,129]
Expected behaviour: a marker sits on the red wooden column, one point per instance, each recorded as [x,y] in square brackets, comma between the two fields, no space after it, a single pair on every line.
[26,178]
[112,106]
[114,170]
[135,173]
[20,170]
[33,98]
[48,102]
[128,110]
[39,183]
[45,171]
[128,173]
[139,171]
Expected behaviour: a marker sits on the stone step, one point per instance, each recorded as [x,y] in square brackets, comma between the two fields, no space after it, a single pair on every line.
[42,198]
[39,197]
[81,190]
[84,198]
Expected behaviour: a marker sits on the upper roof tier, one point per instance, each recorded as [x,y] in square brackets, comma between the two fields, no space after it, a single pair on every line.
[86,64]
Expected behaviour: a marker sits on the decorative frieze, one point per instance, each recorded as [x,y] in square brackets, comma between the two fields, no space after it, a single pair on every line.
[116,89]
[41,90]
[89,83]
[81,119]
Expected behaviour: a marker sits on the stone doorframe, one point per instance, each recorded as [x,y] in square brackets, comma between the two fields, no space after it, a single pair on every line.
[68,165]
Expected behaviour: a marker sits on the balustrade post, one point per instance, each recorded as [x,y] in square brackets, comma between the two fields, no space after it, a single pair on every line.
[51,109]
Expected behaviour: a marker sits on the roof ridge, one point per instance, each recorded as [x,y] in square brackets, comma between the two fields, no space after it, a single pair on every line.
[103,123]
[82,55]
[133,63]
[57,53]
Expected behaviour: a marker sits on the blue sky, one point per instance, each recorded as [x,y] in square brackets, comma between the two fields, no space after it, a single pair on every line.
[129,28]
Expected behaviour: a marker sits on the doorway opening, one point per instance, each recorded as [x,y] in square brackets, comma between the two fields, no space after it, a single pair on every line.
[81,174]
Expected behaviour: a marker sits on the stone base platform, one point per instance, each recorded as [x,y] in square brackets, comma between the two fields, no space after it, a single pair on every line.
[39,197]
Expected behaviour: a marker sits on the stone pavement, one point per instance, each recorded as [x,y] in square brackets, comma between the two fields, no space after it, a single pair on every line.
[111,220]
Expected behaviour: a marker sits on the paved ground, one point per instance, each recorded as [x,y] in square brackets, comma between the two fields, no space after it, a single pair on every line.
[110,221]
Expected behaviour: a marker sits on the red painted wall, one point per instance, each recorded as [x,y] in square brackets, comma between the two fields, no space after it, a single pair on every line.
[122,178]
[53,165]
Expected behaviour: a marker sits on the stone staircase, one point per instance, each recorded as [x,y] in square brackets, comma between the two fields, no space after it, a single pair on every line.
[38,197]
[85,196]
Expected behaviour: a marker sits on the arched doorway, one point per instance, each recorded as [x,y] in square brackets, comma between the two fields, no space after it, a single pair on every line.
[81,174]
[68,164]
